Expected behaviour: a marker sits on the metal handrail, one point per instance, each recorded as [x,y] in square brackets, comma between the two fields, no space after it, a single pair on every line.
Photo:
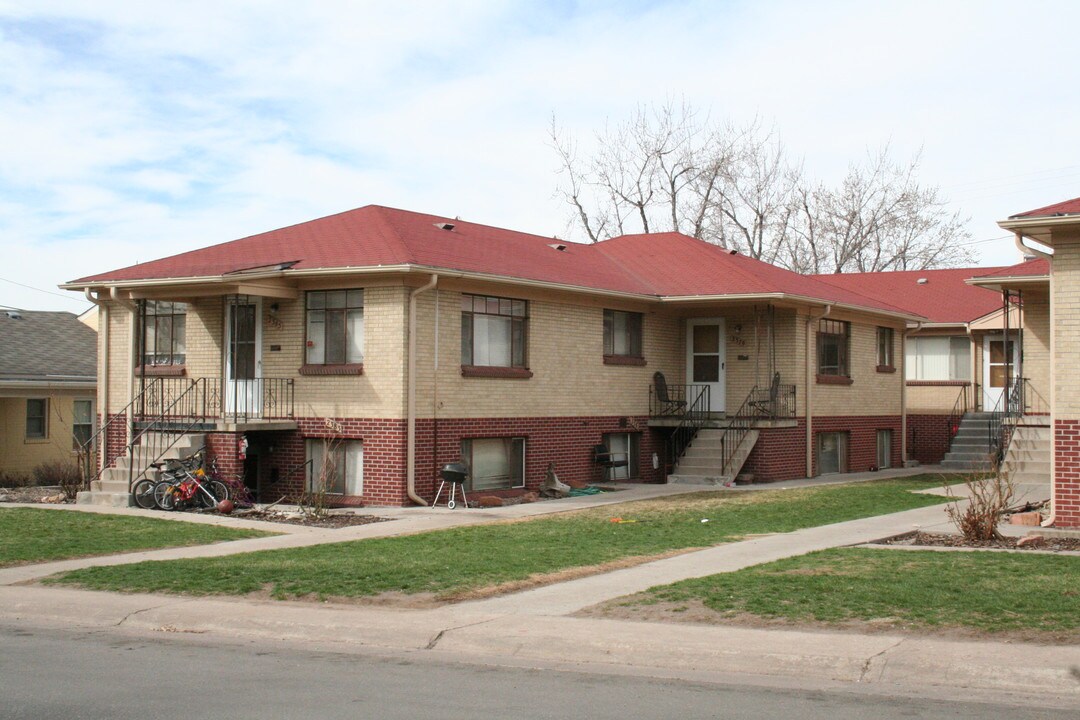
[98,443]
[173,422]
[1005,417]
[697,413]
[959,409]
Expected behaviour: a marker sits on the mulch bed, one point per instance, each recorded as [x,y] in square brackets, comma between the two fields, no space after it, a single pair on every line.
[327,521]
[31,494]
[920,538]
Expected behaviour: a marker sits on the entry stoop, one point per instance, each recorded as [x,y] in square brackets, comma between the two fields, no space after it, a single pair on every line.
[970,447]
[1028,458]
[701,464]
[111,488]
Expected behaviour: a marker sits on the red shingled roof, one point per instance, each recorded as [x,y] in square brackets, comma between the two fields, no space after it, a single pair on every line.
[1028,268]
[943,298]
[1068,207]
[661,264]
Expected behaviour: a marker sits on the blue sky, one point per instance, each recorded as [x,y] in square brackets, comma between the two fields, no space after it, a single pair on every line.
[133,130]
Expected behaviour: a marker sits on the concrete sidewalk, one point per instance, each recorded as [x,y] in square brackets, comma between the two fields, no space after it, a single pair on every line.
[534,628]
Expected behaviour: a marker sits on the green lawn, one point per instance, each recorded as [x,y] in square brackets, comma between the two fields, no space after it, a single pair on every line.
[452,562]
[990,592]
[29,535]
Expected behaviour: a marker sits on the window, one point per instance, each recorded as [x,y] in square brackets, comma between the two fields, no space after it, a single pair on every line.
[833,340]
[82,422]
[624,446]
[938,358]
[492,331]
[622,334]
[340,463]
[884,449]
[37,419]
[494,463]
[335,327]
[164,332]
[884,347]
[832,452]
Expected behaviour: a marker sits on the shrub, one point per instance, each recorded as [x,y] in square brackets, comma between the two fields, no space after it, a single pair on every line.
[988,498]
[65,474]
[15,479]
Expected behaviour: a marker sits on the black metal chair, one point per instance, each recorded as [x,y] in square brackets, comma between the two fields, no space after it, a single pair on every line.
[667,405]
[607,460]
[767,406]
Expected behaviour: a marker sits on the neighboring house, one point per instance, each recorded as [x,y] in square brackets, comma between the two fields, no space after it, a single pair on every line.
[401,341]
[955,359]
[1050,291]
[48,363]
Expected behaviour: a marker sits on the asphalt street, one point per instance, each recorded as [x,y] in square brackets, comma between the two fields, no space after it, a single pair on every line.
[50,672]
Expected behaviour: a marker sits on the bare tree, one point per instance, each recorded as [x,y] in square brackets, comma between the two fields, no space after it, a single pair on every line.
[668,169]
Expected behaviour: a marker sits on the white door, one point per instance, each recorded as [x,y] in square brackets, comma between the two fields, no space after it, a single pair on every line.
[995,368]
[705,359]
[243,358]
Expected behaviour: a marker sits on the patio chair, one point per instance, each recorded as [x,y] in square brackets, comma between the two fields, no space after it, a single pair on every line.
[667,406]
[767,406]
[607,460]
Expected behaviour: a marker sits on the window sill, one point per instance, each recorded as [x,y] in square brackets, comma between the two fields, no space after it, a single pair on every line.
[342,369]
[938,383]
[161,370]
[624,360]
[834,380]
[495,372]
[886,368]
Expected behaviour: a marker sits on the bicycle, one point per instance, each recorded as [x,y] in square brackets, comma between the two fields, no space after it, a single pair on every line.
[186,483]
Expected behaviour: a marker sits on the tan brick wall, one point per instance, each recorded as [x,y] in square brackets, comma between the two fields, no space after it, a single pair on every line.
[119,369]
[871,392]
[1037,349]
[1065,288]
[20,454]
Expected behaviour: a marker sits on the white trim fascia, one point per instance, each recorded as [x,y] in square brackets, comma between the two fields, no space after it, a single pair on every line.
[491,277]
[1048,221]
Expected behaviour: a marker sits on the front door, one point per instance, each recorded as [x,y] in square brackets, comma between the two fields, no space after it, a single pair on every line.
[243,358]
[705,359]
[999,362]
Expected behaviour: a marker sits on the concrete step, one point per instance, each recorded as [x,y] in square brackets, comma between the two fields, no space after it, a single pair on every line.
[1032,478]
[700,479]
[109,499]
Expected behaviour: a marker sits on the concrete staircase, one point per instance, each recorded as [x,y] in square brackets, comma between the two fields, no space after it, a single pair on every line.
[700,464]
[1028,458]
[112,489]
[970,448]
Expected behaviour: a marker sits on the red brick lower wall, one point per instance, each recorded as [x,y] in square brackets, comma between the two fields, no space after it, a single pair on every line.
[566,441]
[780,453]
[928,438]
[1067,473]
[115,438]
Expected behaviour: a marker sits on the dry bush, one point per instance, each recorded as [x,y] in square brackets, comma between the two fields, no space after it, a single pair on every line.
[65,474]
[10,479]
[988,498]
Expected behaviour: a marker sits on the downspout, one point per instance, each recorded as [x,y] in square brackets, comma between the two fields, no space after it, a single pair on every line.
[810,318]
[1027,249]
[903,392]
[1052,517]
[103,362]
[133,313]
[410,441]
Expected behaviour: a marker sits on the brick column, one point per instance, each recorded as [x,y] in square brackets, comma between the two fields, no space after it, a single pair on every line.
[1065,349]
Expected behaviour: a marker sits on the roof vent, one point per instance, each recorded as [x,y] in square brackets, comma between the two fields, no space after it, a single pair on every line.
[558,246]
[733,252]
[13,314]
[921,281]
[445,226]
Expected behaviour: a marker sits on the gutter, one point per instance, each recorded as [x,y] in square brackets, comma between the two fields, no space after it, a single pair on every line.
[410,442]
[1025,249]
[810,318]
[132,309]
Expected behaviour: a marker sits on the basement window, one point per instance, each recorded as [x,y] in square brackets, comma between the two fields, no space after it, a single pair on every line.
[494,463]
[832,450]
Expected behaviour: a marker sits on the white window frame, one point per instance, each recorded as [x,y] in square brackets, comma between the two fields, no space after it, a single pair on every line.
[317,306]
[468,456]
[75,442]
[884,448]
[352,451]
[938,358]
[627,448]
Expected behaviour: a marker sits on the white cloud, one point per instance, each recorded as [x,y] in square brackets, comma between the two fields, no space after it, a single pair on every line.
[133,130]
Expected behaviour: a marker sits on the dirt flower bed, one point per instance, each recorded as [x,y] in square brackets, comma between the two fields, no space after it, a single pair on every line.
[28,494]
[924,539]
[327,521]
